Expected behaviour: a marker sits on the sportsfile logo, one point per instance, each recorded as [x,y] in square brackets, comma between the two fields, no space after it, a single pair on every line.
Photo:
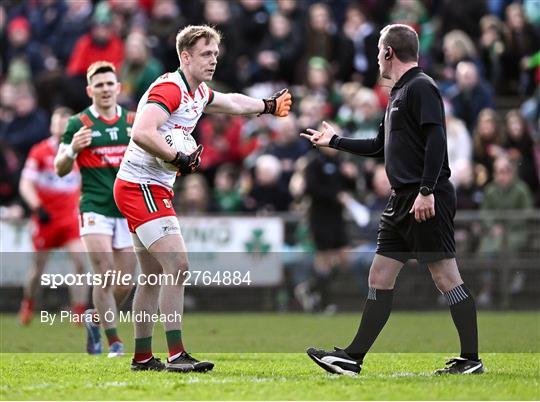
[220,277]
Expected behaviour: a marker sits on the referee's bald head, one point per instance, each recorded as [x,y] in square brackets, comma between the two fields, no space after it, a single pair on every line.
[403,40]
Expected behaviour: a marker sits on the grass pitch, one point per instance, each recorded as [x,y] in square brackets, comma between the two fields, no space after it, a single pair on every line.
[260,357]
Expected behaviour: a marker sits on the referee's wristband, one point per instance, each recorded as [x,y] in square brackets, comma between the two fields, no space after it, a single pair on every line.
[71,154]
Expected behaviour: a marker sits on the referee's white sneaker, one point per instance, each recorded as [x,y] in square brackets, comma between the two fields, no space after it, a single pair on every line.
[459,365]
[335,362]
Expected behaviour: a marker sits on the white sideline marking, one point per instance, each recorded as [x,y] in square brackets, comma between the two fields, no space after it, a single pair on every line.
[173,380]
[113,384]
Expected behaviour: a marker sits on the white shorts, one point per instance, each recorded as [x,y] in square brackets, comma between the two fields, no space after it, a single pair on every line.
[94,223]
[149,232]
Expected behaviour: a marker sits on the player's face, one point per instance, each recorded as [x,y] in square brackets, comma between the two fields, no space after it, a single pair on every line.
[103,89]
[384,65]
[202,60]
[58,124]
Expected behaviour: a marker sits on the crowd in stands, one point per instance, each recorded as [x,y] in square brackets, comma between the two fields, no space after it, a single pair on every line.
[485,55]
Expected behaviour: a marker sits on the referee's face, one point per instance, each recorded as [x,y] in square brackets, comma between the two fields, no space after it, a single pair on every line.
[384,65]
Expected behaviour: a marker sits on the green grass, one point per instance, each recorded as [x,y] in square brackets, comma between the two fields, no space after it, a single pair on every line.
[409,349]
[264,376]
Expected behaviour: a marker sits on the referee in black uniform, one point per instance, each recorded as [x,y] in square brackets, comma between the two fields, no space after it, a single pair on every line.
[418,219]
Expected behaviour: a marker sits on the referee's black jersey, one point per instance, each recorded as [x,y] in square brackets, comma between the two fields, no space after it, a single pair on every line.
[414,101]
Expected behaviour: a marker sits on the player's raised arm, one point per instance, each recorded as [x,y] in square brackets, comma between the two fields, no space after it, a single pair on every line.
[278,104]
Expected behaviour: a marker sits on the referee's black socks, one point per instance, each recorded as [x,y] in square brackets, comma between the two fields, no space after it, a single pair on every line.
[463,310]
[376,312]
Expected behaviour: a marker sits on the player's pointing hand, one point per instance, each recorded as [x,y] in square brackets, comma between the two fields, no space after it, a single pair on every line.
[320,138]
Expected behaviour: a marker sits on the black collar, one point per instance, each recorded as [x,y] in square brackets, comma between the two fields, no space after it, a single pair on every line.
[409,74]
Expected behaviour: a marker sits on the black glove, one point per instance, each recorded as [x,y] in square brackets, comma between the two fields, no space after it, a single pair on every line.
[187,164]
[43,215]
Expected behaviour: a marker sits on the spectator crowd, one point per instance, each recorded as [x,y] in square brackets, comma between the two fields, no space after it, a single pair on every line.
[485,55]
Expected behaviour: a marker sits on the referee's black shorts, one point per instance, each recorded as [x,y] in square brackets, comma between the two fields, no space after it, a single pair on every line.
[402,238]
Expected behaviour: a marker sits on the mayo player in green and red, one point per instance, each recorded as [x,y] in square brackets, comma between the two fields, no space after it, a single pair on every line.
[96,139]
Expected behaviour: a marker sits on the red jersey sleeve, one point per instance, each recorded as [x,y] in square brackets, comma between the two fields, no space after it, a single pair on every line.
[167,95]
[32,165]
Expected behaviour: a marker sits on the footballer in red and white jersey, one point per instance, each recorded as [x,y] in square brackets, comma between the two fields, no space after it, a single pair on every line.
[184,106]
[58,195]
[142,188]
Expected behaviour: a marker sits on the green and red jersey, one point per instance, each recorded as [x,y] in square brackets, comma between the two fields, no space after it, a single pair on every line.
[99,162]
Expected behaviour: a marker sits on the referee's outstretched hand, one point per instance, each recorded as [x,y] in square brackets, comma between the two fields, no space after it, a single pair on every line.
[423,207]
[320,138]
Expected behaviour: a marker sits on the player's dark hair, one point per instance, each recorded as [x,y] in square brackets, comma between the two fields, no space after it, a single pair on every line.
[99,67]
[403,40]
[188,36]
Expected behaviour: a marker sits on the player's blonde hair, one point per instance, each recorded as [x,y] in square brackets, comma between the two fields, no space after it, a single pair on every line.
[188,36]
[99,67]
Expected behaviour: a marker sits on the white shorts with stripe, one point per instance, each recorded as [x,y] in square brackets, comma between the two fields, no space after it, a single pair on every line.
[117,228]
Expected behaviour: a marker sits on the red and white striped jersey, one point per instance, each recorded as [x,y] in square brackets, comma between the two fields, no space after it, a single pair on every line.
[172,93]
[58,195]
